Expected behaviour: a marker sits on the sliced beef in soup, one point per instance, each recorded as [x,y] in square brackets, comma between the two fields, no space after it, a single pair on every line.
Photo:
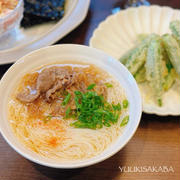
[48,82]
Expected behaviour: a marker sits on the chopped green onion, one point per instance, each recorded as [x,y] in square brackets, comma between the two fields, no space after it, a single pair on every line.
[124,121]
[92,111]
[108,85]
[116,107]
[66,99]
[91,86]
[68,113]
[125,103]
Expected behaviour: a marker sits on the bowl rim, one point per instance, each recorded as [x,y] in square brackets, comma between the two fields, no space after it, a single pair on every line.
[78,164]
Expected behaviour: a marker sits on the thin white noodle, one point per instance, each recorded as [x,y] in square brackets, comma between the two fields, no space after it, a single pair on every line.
[72,143]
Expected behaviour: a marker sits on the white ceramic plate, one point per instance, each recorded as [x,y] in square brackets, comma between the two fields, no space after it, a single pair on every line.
[118,33]
[65,53]
[22,41]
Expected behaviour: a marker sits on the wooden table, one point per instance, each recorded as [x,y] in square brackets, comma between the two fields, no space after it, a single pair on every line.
[155,144]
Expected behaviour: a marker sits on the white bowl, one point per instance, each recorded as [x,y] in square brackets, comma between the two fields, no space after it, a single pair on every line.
[64,53]
[118,33]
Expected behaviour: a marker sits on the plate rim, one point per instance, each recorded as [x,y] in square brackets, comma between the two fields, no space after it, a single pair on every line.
[128,9]
[77,15]
[61,21]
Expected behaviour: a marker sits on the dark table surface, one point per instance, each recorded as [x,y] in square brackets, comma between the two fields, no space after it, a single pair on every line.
[156,142]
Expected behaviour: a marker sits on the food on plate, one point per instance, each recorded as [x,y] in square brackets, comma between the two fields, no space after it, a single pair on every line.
[7,6]
[175,28]
[156,60]
[40,11]
[68,111]
[173,51]
[11,12]
[153,68]
[135,58]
